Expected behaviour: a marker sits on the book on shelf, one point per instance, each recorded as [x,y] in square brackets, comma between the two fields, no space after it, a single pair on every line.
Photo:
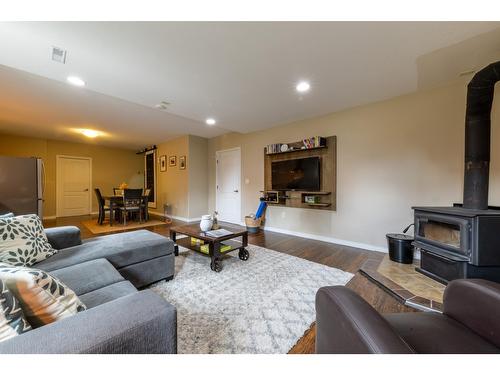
[312,142]
[273,148]
[307,143]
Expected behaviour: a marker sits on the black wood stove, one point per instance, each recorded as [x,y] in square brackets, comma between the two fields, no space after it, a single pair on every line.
[463,241]
[458,243]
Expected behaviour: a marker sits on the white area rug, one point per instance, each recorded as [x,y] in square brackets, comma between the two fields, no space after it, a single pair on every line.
[262,305]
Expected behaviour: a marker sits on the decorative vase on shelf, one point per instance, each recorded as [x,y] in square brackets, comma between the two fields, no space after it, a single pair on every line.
[206,223]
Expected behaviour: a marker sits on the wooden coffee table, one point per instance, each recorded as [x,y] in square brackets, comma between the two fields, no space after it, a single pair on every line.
[214,244]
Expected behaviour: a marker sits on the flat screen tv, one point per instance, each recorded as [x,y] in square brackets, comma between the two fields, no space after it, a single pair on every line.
[297,174]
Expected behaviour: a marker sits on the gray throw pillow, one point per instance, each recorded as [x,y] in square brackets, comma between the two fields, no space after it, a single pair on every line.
[12,321]
[23,241]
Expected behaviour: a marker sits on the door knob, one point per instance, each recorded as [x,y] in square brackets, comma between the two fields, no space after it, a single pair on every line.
[235,191]
[86,190]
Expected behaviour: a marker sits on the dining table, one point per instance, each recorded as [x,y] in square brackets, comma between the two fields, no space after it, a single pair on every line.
[114,202]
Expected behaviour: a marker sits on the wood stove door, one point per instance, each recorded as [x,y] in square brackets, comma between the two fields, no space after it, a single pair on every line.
[449,233]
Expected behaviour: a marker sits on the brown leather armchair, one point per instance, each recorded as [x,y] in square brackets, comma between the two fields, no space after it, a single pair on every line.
[470,323]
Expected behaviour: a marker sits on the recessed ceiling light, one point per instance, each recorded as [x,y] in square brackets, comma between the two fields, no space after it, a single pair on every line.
[210,121]
[90,133]
[77,81]
[303,86]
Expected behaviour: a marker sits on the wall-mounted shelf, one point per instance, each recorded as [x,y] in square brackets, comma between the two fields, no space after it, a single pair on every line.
[316,192]
[274,197]
[326,197]
[319,204]
[303,145]
[297,150]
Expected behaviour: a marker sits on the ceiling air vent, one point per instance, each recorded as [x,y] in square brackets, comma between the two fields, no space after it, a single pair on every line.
[59,55]
[163,105]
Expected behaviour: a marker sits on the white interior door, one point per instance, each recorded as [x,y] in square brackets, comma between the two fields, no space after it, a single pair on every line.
[228,188]
[73,186]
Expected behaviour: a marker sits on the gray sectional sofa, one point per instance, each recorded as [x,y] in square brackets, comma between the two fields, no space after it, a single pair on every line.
[105,273]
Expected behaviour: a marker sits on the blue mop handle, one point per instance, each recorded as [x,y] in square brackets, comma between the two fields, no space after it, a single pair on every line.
[260,210]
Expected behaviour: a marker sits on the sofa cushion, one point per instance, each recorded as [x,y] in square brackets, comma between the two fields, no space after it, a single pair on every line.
[23,241]
[44,299]
[434,333]
[120,250]
[62,237]
[12,320]
[108,293]
[88,276]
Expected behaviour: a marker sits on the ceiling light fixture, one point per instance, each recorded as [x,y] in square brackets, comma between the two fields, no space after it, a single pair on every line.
[303,86]
[210,121]
[77,81]
[90,133]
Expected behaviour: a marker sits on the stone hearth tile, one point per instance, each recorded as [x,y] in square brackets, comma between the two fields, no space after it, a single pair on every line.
[405,283]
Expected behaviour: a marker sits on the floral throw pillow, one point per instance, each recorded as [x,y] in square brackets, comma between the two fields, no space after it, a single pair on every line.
[12,321]
[43,298]
[23,241]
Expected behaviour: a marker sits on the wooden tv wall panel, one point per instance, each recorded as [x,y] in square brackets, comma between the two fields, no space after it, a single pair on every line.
[328,175]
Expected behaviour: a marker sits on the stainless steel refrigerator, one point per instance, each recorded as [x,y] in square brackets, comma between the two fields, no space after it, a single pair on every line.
[22,185]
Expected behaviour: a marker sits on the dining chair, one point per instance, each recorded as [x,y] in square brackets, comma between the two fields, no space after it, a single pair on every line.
[117,191]
[102,206]
[132,200]
[144,204]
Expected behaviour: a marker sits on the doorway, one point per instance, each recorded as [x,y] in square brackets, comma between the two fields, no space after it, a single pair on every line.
[150,176]
[73,185]
[228,185]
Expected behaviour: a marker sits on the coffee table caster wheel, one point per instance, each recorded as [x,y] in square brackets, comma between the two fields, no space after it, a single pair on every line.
[244,254]
[215,265]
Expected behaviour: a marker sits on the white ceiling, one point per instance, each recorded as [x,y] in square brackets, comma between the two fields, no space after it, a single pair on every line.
[242,74]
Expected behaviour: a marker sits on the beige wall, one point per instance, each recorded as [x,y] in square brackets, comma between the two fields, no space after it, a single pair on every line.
[110,166]
[173,184]
[391,155]
[197,165]
[185,190]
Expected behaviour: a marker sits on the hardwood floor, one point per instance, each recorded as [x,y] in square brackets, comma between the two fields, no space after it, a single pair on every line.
[343,257]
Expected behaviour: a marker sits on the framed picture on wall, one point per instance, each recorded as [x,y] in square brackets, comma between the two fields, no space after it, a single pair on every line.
[182,162]
[172,161]
[163,163]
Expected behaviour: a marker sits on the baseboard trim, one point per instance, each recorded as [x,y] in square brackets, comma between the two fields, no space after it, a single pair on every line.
[186,219]
[55,217]
[328,239]
[181,218]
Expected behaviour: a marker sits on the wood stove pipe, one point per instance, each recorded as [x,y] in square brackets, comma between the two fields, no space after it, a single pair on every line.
[480,93]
